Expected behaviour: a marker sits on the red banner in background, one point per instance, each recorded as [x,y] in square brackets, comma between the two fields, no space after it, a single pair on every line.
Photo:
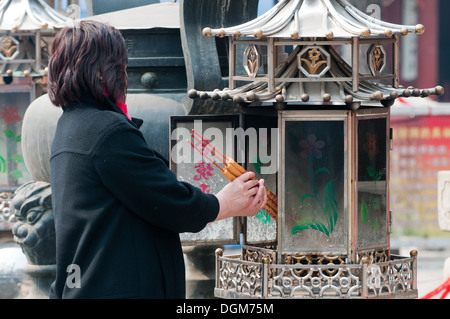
[421,150]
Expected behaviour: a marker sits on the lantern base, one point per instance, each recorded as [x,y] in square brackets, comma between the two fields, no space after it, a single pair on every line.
[264,279]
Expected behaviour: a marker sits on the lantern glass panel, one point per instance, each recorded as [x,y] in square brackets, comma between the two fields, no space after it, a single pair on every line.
[261,158]
[190,166]
[315,161]
[372,186]
[12,165]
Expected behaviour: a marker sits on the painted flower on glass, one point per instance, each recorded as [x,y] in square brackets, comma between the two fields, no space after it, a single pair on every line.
[324,199]
[371,145]
[9,159]
[10,114]
[311,147]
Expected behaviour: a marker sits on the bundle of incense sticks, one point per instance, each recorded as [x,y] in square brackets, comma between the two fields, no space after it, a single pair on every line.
[232,170]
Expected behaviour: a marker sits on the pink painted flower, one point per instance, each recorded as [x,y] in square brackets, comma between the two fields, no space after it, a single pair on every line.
[312,147]
[205,188]
[371,145]
[203,171]
[10,114]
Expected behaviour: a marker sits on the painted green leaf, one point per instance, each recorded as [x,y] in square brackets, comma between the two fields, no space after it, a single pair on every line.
[370,171]
[364,214]
[376,203]
[8,133]
[378,176]
[17,158]
[306,196]
[376,225]
[321,170]
[309,223]
[331,205]
[16,174]
[263,217]
[258,165]
[2,164]
[19,138]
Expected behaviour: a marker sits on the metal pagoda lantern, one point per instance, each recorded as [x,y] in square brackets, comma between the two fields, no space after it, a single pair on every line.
[324,75]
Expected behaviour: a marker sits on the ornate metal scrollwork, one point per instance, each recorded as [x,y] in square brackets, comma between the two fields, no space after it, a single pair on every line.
[314,276]
[9,48]
[252,60]
[314,61]
[376,59]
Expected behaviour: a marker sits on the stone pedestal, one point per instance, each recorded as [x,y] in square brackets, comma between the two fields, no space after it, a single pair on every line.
[41,277]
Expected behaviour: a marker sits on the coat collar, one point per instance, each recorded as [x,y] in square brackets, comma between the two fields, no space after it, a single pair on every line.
[137,122]
[110,106]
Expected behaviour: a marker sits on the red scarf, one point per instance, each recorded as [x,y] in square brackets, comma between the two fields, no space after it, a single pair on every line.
[120,104]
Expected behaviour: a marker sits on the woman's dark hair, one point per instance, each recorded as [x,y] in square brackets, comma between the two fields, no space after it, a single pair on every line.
[87,59]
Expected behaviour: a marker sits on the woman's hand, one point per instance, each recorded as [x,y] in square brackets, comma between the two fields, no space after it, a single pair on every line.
[244,196]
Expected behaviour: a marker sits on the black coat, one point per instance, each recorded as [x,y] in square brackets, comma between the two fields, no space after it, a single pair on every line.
[118,209]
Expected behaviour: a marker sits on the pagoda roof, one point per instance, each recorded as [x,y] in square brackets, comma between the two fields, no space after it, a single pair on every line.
[28,15]
[314,18]
[312,27]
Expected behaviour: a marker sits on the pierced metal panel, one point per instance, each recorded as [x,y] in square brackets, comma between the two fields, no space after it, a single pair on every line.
[9,48]
[394,278]
[376,59]
[252,60]
[314,61]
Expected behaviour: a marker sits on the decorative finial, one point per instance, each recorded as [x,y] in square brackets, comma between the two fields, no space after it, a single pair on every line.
[258,33]
[251,96]
[365,32]
[219,252]
[439,90]
[279,98]
[207,32]
[349,99]
[221,33]
[377,96]
[238,99]
[420,29]
[193,94]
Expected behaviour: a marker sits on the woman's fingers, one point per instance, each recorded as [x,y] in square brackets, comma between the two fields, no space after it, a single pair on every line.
[245,177]
[260,198]
[245,196]
[251,184]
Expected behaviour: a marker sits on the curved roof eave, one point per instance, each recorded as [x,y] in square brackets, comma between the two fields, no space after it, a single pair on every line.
[314,18]
[29,15]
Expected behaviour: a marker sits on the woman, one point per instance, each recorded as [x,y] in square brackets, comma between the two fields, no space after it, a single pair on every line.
[118,208]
